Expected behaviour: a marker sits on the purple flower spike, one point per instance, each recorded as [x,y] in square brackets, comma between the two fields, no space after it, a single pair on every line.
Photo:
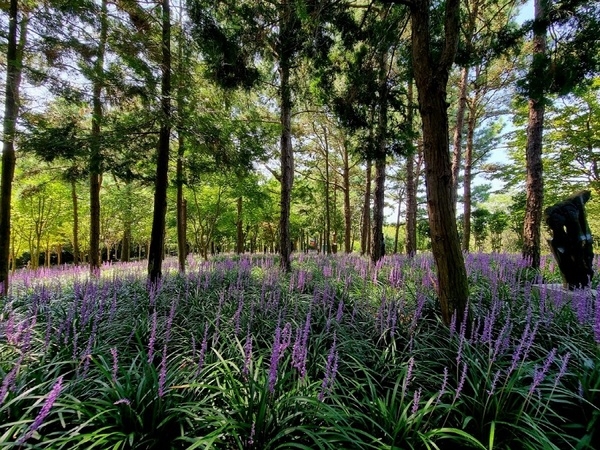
[275,352]
[9,379]
[330,370]
[54,393]
[115,367]
[416,399]
[461,383]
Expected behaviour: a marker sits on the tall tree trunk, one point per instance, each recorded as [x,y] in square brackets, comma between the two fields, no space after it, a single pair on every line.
[431,79]
[95,154]
[181,216]
[126,245]
[365,235]
[76,252]
[287,154]
[378,245]
[327,202]
[182,247]
[347,210]
[535,129]
[397,234]
[14,60]
[468,175]
[458,132]
[411,206]
[240,227]
[157,238]
[411,187]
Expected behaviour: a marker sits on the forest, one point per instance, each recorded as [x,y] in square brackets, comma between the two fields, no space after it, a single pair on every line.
[245,223]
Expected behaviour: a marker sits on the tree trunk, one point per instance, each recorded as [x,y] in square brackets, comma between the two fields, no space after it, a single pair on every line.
[327,205]
[535,128]
[126,244]
[457,141]
[157,238]
[347,210]
[181,216]
[365,236]
[431,79]
[397,234]
[76,253]
[240,227]
[14,59]
[411,188]
[467,183]
[378,243]
[95,155]
[287,154]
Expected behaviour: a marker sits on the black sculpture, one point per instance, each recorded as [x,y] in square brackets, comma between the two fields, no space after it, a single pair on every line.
[571,241]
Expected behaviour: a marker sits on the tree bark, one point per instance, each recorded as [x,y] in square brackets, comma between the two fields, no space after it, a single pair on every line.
[411,188]
[365,236]
[157,238]
[76,252]
[347,210]
[327,202]
[14,59]
[126,244]
[181,213]
[239,249]
[431,79]
[397,234]
[535,127]
[287,154]
[378,244]
[467,183]
[457,141]
[95,153]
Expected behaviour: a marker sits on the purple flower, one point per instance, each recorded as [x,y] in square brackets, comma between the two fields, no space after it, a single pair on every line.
[340,312]
[162,376]
[54,393]
[247,354]
[540,374]
[152,341]
[203,347]
[330,371]
[563,368]
[275,352]
[115,367]
[416,399]
[494,382]
[453,324]
[300,349]
[461,383]
[9,379]
[411,363]
[444,384]
[122,401]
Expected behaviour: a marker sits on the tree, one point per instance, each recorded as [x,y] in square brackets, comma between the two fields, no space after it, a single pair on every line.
[535,127]
[575,55]
[431,67]
[14,61]
[157,238]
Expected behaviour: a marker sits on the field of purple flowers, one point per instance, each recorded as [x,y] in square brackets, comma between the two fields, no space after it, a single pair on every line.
[338,354]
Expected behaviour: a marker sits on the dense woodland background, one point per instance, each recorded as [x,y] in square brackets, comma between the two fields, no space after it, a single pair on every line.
[292,125]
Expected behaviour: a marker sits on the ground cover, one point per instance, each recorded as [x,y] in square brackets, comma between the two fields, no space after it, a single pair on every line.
[337,354]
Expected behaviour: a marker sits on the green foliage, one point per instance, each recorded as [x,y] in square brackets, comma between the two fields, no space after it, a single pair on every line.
[337,354]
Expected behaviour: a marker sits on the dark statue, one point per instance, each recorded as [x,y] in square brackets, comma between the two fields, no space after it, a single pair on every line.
[571,241]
